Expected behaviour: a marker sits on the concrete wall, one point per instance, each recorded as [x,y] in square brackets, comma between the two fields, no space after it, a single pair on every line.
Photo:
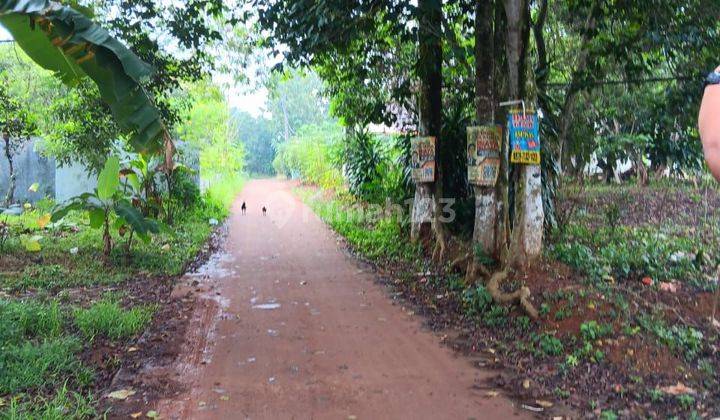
[55,182]
[71,181]
[30,168]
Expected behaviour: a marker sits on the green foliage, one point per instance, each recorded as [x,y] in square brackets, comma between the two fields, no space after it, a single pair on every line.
[550,345]
[63,405]
[375,236]
[117,71]
[374,167]
[108,200]
[312,155]
[497,316]
[476,300]
[207,128]
[626,253]
[683,339]
[591,330]
[107,318]
[29,319]
[48,363]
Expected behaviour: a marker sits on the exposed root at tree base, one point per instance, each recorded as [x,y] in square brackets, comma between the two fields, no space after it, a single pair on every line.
[520,296]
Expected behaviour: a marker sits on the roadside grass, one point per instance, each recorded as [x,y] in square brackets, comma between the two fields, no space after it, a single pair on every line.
[107,318]
[378,237]
[623,294]
[60,301]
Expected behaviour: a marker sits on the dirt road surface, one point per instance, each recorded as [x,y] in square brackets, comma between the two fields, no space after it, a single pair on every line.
[297,329]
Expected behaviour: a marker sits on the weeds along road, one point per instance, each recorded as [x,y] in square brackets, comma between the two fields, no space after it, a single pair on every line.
[303,332]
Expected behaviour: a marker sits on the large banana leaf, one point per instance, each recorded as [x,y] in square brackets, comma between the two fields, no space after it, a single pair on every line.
[63,40]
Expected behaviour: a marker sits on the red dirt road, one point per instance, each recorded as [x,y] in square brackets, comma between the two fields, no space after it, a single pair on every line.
[300,331]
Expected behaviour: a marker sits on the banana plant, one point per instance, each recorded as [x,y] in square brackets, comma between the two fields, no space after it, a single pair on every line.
[110,207]
[65,41]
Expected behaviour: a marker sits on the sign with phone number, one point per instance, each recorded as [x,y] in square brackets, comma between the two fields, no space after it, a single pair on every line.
[524,132]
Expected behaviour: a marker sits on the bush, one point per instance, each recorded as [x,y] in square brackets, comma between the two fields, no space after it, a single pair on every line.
[185,190]
[312,155]
[110,320]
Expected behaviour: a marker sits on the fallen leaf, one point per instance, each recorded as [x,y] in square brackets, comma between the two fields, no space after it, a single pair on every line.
[34,187]
[166,247]
[121,394]
[224,398]
[526,383]
[132,349]
[543,403]
[152,414]
[677,389]
[136,415]
[32,244]
[44,220]
[647,281]
[491,394]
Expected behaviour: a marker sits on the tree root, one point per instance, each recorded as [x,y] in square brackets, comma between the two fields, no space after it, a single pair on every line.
[463,260]
[474,271]
[520,296]
[438,254]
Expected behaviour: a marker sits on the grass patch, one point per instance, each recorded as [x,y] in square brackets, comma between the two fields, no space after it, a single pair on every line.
[108,319]
[44,365]
[370,232]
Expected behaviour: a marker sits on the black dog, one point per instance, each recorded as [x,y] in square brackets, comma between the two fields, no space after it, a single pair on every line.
[264,210]
[243,208]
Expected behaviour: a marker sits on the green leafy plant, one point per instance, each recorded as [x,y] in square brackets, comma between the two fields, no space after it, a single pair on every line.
[591,330]
[550,345]
[476,300]
[109,200]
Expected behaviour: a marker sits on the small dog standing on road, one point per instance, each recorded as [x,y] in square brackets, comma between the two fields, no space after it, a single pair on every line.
[243,208]
[264,210]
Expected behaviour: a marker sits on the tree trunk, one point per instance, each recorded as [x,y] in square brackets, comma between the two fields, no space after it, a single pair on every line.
[430,72]
[485,197]
[10,197]
[529,215]
[575,86]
